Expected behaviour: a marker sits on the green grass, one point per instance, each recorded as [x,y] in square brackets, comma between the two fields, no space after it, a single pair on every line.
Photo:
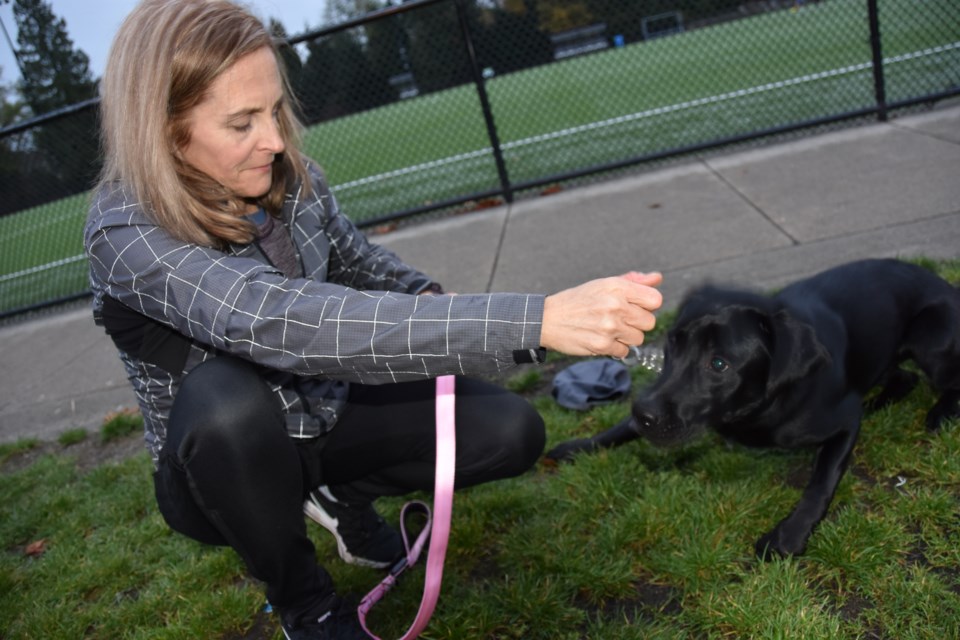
[19,447]
[74,436]
[120,424]
[706,84]
[633,543]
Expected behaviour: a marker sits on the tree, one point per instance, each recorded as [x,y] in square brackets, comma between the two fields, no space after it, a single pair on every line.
[289,57]
[54,73]
[337,11]
[23,180]
[510,39]
[560,15]
[436,47]
[337,79]
[54,76]
[10,112]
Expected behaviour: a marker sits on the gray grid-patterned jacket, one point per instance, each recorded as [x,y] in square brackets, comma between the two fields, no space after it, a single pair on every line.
[351,318]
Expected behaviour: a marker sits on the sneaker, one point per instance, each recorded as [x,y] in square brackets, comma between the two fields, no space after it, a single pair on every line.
[363,537]
[334,621]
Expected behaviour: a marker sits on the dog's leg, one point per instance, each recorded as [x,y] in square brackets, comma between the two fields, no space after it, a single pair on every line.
[619,434]
[934,343]
[790,535]
[947,407]
[896,385]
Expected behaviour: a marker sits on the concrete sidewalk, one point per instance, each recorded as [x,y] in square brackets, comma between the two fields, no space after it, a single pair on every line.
[758,218]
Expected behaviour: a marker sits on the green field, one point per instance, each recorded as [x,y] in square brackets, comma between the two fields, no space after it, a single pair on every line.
[707,84]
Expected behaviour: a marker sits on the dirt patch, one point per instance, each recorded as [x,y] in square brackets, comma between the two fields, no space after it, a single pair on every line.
[650,601]
[89,453]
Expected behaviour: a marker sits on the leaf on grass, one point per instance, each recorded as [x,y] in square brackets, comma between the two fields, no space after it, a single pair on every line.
[36,548]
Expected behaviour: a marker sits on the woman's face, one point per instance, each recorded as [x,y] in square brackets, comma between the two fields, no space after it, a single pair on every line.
[234,133]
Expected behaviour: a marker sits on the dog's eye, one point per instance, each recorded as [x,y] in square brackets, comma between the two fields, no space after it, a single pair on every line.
[718,364]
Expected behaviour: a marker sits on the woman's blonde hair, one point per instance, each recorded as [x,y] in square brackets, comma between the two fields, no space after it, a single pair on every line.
[164,58]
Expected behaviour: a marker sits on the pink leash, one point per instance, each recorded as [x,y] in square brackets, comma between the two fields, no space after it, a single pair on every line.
[436,528]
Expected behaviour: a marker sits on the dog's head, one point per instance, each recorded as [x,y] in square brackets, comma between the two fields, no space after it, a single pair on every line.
[728,355]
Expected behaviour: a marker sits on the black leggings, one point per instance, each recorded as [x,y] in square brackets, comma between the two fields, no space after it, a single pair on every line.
[230,475]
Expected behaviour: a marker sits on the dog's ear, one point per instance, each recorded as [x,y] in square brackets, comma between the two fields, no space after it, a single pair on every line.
[796,351]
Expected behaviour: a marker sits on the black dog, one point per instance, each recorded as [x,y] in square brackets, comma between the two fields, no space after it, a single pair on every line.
[792,370]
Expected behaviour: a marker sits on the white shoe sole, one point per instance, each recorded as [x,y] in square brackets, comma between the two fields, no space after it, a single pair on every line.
[329,523]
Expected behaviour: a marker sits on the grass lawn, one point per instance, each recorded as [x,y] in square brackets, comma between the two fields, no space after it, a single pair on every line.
[632,543]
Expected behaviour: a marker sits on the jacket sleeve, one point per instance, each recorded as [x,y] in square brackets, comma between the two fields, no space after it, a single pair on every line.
[245,307]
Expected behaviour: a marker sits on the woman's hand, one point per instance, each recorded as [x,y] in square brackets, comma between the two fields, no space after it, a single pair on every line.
[601,317]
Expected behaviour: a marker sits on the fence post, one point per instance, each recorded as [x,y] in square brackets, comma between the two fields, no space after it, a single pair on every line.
[505,185]
[879,88]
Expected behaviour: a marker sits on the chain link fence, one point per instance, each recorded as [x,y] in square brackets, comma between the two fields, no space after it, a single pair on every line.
[439,105]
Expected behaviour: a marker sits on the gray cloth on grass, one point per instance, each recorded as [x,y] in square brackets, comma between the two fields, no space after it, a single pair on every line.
[591,382]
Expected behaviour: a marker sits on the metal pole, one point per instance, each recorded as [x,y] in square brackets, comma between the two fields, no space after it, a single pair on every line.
[484,103]
[879,88]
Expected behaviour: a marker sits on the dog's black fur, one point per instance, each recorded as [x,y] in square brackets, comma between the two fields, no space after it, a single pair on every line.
[792,371]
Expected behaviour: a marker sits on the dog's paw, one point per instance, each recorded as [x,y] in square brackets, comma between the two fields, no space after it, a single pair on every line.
[897,385]
[947,408]
[565,451]
[778,544]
